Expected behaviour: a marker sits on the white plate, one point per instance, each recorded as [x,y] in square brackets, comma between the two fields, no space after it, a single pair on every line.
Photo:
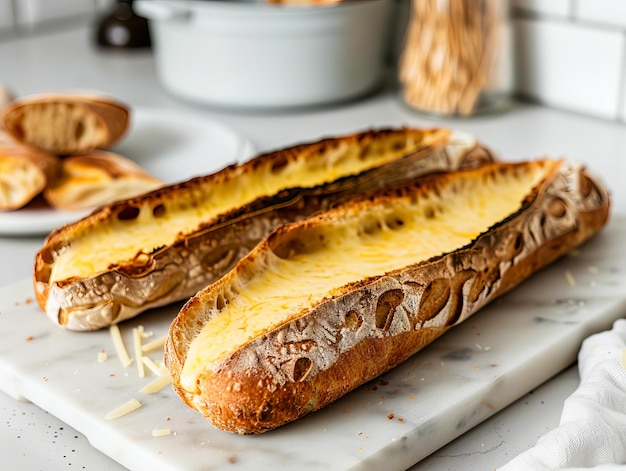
[172,145]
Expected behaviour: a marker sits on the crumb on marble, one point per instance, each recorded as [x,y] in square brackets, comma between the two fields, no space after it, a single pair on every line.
[26,302]
[488,405]
[30,338]
[390,415]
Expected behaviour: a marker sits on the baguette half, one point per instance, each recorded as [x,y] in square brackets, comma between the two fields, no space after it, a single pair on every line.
[97,178]
[24,173]
[65,123]
[328,303]
[165,245]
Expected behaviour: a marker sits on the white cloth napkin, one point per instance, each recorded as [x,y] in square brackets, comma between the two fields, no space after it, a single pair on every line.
[592,430]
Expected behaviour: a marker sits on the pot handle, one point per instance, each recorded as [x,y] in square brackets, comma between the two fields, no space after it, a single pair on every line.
[160,11]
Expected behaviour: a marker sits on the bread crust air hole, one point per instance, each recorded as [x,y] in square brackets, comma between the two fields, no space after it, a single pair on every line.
[365,150]
[220,259]
[353,320]
[293,245]
[394,222]
[221,302]
[370,226]
[587,186]
[128,213]
[79,131]
[557,208]
[398,145]
[434,299]
[47,255]
[159,211]
[387,304]
[18,132]
[510,247]
[279,164]
[456,301]
[301,369]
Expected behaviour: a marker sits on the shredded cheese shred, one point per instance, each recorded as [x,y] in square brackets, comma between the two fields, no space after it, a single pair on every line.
[158,384]
[137,334]
[120,348]
[126,408]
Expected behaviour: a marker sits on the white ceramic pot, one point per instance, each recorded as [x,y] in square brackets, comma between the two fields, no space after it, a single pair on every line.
[257,55]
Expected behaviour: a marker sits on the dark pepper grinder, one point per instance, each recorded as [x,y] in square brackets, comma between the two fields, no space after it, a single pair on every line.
[122,28]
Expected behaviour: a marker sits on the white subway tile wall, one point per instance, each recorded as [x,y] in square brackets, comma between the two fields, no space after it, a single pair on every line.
[570,54]
[565,66]
[560,8]
[602,12]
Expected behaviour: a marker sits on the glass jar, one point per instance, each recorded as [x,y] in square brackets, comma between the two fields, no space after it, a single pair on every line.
[457,57]
[122,28]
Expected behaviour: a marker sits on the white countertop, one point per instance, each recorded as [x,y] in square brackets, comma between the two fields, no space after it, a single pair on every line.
[33,439]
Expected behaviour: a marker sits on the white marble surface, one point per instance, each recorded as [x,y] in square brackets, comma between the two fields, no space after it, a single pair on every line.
[466,376]
[34,439]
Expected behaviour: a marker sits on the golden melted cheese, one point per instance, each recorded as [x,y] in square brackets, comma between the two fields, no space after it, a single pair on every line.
[119,241]
[354,248]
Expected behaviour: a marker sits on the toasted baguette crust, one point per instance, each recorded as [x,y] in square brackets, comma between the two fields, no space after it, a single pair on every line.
[65,124]
[97,178]
[177,270]
[273,379]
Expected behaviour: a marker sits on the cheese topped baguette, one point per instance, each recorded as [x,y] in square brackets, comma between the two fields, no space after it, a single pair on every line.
[65,123]
[97,178]
[325,304]
[165,245]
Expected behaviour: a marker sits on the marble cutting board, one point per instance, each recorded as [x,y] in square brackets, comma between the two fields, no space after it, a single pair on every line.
[467,375]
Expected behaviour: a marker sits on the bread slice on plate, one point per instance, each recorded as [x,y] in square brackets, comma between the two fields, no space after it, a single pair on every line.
[97,178]
[165,245]
[24,173]
[323,305]
[66,123]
